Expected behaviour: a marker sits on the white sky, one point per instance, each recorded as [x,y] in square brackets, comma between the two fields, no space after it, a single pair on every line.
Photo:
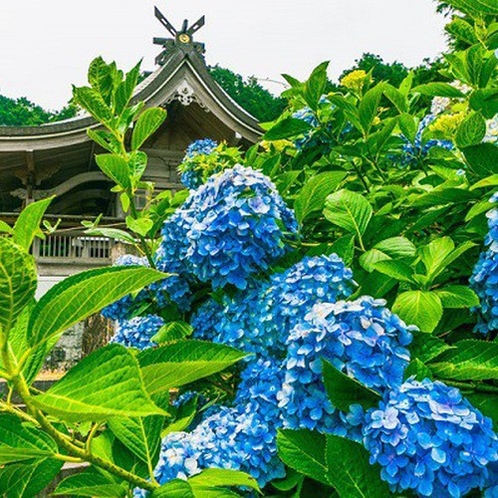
[46,45]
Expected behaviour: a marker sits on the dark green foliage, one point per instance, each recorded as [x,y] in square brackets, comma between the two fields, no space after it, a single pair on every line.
[23,112]
[249,94]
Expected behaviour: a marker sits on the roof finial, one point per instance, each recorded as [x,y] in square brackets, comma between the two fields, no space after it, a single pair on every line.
[182,39]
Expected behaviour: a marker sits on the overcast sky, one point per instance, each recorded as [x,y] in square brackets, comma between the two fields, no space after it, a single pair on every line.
[46,45]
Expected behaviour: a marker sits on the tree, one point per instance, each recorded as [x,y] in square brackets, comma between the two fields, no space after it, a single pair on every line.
[23,112]
[249,94]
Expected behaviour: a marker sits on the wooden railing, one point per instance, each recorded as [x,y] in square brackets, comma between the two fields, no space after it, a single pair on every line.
[73,248]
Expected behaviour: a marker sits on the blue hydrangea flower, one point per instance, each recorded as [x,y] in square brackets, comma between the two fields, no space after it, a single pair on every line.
[313,137]
[123,308]
[231,438]
[429,439]
[203,146]
[484,279]
[416,151]
[228,229]
[260,318]
[192,177]
[361,338]
[137,332]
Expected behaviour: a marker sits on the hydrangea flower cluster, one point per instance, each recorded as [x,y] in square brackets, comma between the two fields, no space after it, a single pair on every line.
[229,228]
[360,338]
[260,318]
[414,152]
[192,174]
[428,438]
[137,332]
[484,279]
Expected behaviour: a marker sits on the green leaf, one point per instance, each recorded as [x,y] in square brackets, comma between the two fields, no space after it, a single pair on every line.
[461,29]
[344,248]
[124,90]
[471,360]
[471,131]
[115,167]
[91,483]
[172,331]
[285,181]
[304,451]
[287,128]
[175,488]
[147,124]
[485,403]
[28,222]
[418,369]
[369,259]
[457,296]
[426,347]
[315,87]
[27,479]
[344,391]
[105,139]
[482,158]
[5,228]
[350,472]
[209,478]
[420,308]
[17,282]
[368,106]
[396,247]
[395,269]
[79,296]
[396,97]
[140,225]
[105,384]
[93,102]
[439,90]
[315,191]
[349,210]
[490,181]
[182,362]
[112,233]
[408,126]
[486,101]
[102,77]
[142,436]
[20,442]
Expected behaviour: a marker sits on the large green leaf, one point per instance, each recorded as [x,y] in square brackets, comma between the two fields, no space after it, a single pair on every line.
[476,7]
[368,106]
[349,210]
[287,128]
[210,478]
[457,296]
[471,360]
[148,123]
[27,479]
[471,131]
[92,101]
[90,483]
[142,436]
[482,158]
[420,308]
[439,90]
[314,88]
[395,269]
[185,361]
[105,384]
[115,167]
[172,331]
[315,191]
[344,391]
[426,347]
[350,472]
[175,488]
[17,281]
[28,222]
[79,296]
[396,247]
[304,451]
[20,442]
